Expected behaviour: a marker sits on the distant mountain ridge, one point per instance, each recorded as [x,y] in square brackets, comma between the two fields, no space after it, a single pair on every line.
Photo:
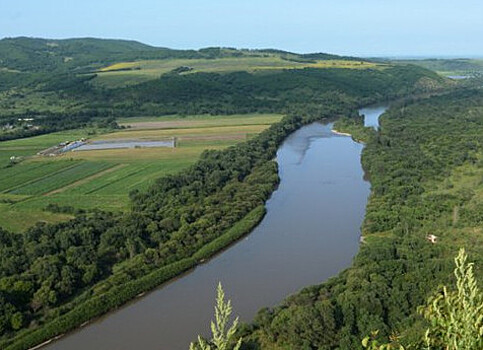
[80,54]
[33,54]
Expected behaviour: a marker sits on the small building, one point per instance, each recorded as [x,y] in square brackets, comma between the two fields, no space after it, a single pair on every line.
[432,238]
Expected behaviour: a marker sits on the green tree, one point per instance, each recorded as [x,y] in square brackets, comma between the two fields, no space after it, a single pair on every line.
[455,317]
[222,337]
[17,320]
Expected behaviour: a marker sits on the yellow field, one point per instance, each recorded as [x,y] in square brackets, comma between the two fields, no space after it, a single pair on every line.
[141,71]
[120,65]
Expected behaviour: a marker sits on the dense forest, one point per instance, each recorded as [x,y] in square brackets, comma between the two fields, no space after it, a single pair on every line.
[58,275]
[302,90]
[87,54]
[55,277]
[51,82]
[425,166]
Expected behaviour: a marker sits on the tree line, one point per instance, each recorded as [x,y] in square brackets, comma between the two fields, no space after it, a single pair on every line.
[54,277]
[424,165]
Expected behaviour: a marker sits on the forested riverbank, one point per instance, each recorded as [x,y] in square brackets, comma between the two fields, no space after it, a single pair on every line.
[308,233]
[121,256]
[53,278]
[425,166]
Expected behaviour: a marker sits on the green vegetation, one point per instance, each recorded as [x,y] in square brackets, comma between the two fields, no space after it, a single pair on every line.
[129,73]
[222,337]
[198,121]
[28,147]
[103,178]
[425,169]
[116,296]
[455,318]
[354,127]
[53,277]
[451,67]
[67,176]
[39,55]
[58,83]
[299,90]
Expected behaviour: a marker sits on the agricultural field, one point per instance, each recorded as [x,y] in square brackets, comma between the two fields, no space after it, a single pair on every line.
[129,73]
[28,147]
[103,178]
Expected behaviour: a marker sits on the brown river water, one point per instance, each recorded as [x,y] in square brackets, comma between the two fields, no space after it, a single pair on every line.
[310,233]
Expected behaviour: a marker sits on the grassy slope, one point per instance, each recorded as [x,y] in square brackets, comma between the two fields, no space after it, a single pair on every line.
[33,71]
[141,71]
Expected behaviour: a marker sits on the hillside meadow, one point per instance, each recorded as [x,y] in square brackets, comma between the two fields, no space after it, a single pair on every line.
[130,73]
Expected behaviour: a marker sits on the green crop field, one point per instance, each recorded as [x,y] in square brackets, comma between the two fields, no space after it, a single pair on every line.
[198,121]
[103,178]
[129,73]
[31,172]
[61,178]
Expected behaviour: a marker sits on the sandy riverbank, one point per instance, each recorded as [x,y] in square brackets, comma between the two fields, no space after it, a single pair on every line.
[340,133]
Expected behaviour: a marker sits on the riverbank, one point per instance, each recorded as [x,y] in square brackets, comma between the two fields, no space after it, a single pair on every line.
[340,133]
[349,135]
[413,194]
[131,279]
[354,127]
[87,312]
[302,229]
[119,296]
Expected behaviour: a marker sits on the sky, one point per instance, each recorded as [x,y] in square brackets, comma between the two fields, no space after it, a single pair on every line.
[349,27]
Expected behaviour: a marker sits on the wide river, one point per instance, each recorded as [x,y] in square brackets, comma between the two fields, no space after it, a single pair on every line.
[310,233]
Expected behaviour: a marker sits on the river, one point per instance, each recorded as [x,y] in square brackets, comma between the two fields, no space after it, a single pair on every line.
[310,233]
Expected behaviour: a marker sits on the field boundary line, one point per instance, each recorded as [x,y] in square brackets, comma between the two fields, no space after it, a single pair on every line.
[8,190]
[85,180]
[5,175]
[134,172]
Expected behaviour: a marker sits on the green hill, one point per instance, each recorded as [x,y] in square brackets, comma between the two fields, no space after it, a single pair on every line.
[35,54]
[32,54]
[57,276]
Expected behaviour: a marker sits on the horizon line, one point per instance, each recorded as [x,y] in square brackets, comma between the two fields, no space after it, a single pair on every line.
[394,56]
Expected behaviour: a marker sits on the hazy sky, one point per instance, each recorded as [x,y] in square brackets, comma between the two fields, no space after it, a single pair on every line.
[355,27]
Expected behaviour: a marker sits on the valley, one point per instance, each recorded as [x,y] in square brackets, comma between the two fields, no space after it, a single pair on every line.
[162,172]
